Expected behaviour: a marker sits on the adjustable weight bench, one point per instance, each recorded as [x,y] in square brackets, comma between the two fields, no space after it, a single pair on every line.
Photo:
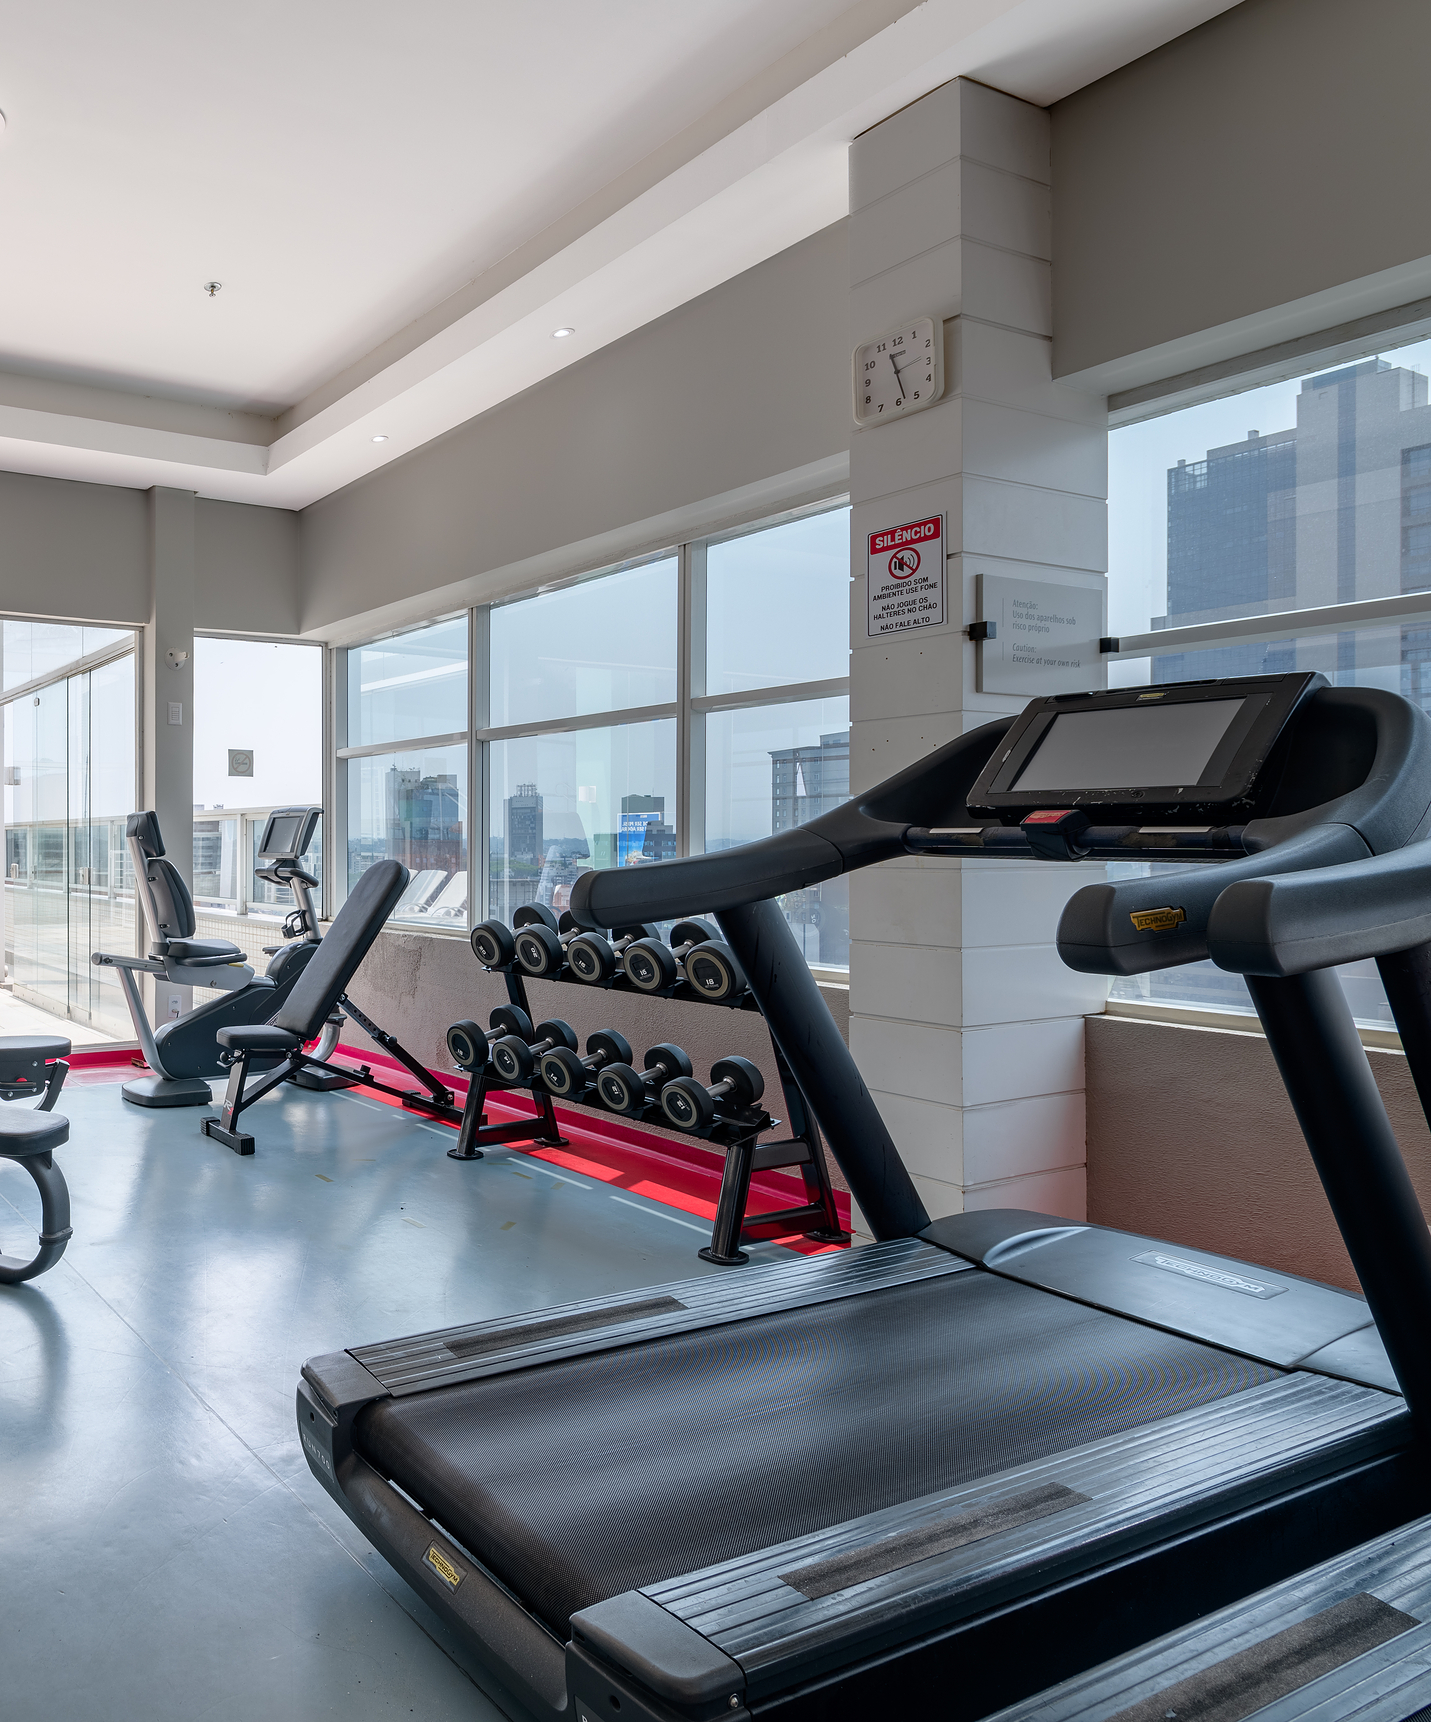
[275,1048]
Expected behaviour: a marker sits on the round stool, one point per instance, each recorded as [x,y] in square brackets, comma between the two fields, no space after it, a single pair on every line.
[33,1065]
[30,1138]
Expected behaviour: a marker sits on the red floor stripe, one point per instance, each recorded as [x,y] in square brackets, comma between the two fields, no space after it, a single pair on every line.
[610,1151]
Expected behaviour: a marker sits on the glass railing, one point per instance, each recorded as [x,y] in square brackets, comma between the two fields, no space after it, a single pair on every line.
[225,855]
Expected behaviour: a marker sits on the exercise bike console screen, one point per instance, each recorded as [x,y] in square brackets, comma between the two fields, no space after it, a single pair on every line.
[1128,747]
[288,832]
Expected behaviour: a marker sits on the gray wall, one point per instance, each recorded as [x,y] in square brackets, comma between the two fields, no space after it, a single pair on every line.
[1276,152]
[749,381]
[82,550]
[1191,1138]
[73,550]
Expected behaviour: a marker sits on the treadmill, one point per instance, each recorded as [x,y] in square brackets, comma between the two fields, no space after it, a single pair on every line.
[951,1468]
[1349,1640]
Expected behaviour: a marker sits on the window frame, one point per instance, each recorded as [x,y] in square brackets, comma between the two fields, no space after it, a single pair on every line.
[689,709]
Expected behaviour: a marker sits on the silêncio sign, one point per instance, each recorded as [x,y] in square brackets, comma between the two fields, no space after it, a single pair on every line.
[906,576]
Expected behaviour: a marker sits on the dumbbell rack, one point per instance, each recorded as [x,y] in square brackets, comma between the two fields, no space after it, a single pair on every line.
[736,1134]
[475,1133]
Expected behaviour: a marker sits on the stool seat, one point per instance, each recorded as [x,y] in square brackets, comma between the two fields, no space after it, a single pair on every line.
[32,1048]
[25,1134]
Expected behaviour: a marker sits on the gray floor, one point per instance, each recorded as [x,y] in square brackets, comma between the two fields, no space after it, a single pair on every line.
[164,1552]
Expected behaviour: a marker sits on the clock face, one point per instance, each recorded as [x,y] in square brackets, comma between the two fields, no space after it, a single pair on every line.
[900,372]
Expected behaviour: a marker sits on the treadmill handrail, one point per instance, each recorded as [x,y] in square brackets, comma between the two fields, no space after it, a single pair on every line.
[862,831]
[1294,923]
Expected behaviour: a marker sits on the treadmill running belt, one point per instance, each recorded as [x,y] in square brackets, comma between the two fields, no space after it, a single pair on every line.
[583,1478]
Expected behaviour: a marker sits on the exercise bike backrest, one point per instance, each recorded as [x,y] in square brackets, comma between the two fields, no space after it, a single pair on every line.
[168,907]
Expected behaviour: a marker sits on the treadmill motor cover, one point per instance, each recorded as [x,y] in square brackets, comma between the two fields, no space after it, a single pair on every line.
[750,1434]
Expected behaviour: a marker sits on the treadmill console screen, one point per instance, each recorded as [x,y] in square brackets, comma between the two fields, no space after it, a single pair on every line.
[1129,746]
[1201,753]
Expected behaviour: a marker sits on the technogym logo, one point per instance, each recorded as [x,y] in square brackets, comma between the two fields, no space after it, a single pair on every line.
[1209,1275]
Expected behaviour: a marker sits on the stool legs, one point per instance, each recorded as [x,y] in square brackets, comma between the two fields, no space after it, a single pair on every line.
[54,1221]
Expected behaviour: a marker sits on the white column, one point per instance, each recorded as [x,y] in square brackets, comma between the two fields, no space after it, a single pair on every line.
[965,1024]
[168,698]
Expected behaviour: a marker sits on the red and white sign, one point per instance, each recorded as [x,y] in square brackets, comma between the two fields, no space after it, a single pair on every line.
[906,577]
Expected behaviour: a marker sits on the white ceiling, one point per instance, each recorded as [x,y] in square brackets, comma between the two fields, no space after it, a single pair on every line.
[403,202]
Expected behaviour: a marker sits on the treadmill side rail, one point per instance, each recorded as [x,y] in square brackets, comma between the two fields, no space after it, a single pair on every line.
[1193,1470]
[1278,1318]
[668,1657]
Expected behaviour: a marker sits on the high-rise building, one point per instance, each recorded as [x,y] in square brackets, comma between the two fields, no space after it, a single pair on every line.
[1336,508]
[804,783]
[808,781]
[522,825]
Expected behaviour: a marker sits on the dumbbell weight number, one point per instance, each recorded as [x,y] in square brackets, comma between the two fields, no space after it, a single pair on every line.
[567,1076]
[515,1059]
[469,1046]
[622,1089]
[691,1106]
[595,960]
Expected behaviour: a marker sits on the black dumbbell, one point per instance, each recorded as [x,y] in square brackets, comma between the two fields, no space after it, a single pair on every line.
[595,959]
[493,945]
[620,1088]
[709,966]
[514,1057]
[469,1046]
[540,940]
[689,1105]
[567,1076]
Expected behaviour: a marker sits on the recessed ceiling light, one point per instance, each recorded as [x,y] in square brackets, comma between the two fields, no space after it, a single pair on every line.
[561,334]
[380,439]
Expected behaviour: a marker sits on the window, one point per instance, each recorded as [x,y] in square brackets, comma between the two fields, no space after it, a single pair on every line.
[1212,522]
[408,802]
[769,768]
[694,700]
[409,686]
[69,788]
[603,646]
[778,605]
[569,800]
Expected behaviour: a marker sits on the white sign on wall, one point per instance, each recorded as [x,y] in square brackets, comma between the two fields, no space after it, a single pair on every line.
[906,577]
[1046,638]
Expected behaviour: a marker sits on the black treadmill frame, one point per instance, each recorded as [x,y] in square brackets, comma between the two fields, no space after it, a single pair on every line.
[1029,1637]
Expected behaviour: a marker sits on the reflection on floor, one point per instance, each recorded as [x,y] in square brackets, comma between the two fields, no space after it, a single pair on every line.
[19,1017]
[164,1552]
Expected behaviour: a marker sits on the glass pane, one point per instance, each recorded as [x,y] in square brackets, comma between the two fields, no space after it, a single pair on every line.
[412,806]
[409,686]
[1326,501]
[778,605]
[561,804]
[216,864]
[258,724]
[102,881]
[268,898]
[772,768]
[1390,658]
[69,786]
[603,646]
[32,649]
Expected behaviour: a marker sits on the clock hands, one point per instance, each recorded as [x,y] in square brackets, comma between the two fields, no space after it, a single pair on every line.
[899,379]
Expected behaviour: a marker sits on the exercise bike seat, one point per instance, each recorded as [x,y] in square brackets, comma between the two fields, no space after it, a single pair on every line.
[23,1134]
[258,1037]
[203,953]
